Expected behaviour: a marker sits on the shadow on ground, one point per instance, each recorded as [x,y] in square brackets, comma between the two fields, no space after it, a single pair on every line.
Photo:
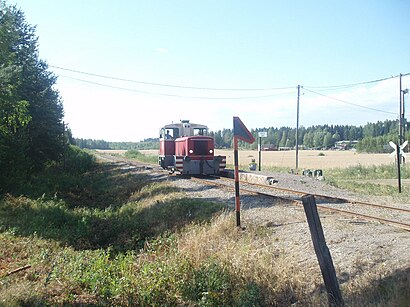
[109,207]
[392,290]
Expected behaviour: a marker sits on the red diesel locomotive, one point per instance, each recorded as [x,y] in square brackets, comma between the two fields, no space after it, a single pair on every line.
[186,148]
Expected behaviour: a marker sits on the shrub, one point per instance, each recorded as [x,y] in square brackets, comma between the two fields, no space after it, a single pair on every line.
[77,160]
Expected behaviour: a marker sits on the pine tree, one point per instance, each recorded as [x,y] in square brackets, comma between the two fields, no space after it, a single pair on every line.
[31,110]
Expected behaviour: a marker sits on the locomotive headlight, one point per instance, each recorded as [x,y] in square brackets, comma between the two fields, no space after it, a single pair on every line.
[211,151]
[191,151]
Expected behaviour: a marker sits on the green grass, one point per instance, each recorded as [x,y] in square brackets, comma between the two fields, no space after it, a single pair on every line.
[96,216]
[136,155]
[86,233]
[110,237]
[357,179]
[369,172]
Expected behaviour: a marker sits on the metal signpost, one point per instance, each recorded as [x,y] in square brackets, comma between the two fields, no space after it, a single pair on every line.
[240,132]
[399,153]
[262,134]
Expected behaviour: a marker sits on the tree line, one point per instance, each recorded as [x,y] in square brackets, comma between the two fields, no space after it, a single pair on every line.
[31,110]
[372,137]
[150,143]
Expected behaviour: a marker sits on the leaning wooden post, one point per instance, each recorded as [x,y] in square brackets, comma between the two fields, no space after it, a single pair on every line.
[322,252]
[237,197]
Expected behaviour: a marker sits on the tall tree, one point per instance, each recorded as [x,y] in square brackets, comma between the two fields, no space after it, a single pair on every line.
[31,110]
[327,140]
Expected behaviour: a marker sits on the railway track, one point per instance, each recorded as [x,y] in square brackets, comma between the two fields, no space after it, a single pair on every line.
[390,215]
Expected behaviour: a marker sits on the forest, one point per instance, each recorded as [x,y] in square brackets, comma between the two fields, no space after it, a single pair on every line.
[372,137]
[102,144]
[31,111]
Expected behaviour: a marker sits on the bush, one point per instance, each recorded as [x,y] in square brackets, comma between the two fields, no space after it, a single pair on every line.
[76,160]
[15,165]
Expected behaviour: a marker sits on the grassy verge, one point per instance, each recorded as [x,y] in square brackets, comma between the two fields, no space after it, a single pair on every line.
[84,230]
[358,178]
[112,237]
[136,155]
[211,264]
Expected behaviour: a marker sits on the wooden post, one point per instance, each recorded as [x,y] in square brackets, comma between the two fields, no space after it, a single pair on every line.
[237,197]
[322,252]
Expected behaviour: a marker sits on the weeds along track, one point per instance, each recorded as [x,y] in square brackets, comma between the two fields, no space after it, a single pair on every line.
[390,215]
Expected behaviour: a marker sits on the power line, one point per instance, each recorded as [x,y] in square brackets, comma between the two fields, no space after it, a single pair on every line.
[173,95]
[334,87]
[330,87]
[172,85]
[350,103]
[342,86]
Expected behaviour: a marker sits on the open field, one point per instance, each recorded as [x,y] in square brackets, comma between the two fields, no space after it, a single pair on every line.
[312,159]
[307,158]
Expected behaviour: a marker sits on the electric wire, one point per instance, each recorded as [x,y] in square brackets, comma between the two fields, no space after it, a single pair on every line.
[330,87]
[220,98]
[175,95]
[343,86]
[172,85]
[350,103]
[319,88]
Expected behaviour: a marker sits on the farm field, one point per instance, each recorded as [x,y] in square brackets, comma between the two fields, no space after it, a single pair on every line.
[312,159]
[307,158]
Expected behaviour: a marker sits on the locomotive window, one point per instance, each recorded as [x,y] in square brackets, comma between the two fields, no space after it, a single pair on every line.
[200,131]
[201,148]
[175,133]
[169,133]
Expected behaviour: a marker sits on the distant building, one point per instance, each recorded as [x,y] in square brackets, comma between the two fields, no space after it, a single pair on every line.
[345,145]
[270,147]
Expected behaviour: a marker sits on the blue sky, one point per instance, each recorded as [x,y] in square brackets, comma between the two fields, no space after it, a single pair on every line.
[221,45]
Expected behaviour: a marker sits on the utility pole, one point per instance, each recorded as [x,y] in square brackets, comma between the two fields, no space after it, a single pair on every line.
[406,91]
[401,116]
[402,120]
[297,132]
